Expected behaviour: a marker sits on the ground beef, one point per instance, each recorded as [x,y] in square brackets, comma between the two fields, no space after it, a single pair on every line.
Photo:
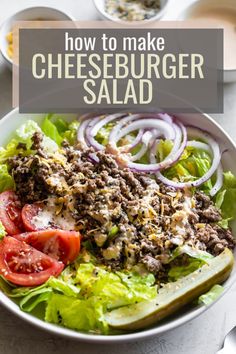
[29,176]
[150,219]
[153,265]
[215,238]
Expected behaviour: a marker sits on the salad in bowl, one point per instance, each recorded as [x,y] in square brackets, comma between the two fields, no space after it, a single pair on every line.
[110,223]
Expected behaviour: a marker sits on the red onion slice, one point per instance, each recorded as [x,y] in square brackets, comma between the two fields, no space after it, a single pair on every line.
[93,142]
[92,131]
[199,145]
[165,129]
[197,133]
[133,117]
[219,172]
[134,143]
[219,181]
[146,139]
[81,133]
[151,126]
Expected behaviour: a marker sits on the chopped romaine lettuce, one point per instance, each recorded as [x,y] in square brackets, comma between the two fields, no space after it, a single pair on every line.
[163,149]
[191,252]
[226,199]
[67,288]
[195,260]
[30,301]
[100,290]
[22,142]
[70,134]
[83,315]
[193,164]
[6,180]
[177,272]
[213,294]
[117,289]
[25,132]
[103,133]
[50,130]
[81,295]
[58,129]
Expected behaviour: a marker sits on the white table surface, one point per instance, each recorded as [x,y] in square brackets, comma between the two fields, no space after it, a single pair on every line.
[202,335]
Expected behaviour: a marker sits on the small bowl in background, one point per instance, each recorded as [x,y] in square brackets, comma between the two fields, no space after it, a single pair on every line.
[29,14]
[101,8]
[194,12]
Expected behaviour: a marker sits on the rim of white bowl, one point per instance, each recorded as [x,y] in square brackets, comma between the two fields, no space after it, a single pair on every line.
[131,23]
[144,334]
[8,19]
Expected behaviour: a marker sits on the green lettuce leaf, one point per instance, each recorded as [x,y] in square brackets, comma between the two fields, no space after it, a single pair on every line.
[193,164]
[116,289]
[211,295]
[67,288]
[177,272]
[82,315]
[70,134]
[59,129]
[138,285]
[6,180]
[24,135]
[225,199]
[50,130]
[163,149]
[34,298]
[22,142]
[81,295]
[196,259]
[103,133]
[191,252]
[100,290]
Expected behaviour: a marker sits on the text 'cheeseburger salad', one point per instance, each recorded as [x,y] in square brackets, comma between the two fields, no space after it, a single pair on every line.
[112,222]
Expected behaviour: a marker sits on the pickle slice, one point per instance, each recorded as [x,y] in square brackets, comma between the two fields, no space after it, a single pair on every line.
[173,296]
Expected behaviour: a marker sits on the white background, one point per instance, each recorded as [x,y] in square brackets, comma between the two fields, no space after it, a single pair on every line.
[203,335]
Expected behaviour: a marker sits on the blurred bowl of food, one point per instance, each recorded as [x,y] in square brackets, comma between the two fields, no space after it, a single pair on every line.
[136,12]
[38,13]
[218,14]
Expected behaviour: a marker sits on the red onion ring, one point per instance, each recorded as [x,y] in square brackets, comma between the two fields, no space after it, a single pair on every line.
[219,181]
[81,133]
[164,129]
[133,117]
[146,139]
[92,131]
[219,172]
[199,145]
[151,126]
[197,133]
[167,129]
[134,143]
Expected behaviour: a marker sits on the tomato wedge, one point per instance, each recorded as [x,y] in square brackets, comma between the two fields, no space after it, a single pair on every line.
[58,244]
[10,212]
[23,265]
[27,213]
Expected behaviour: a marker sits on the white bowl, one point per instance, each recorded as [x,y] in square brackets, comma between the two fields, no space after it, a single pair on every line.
[190,10]
[10,123]
[28,14]
[100,6]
